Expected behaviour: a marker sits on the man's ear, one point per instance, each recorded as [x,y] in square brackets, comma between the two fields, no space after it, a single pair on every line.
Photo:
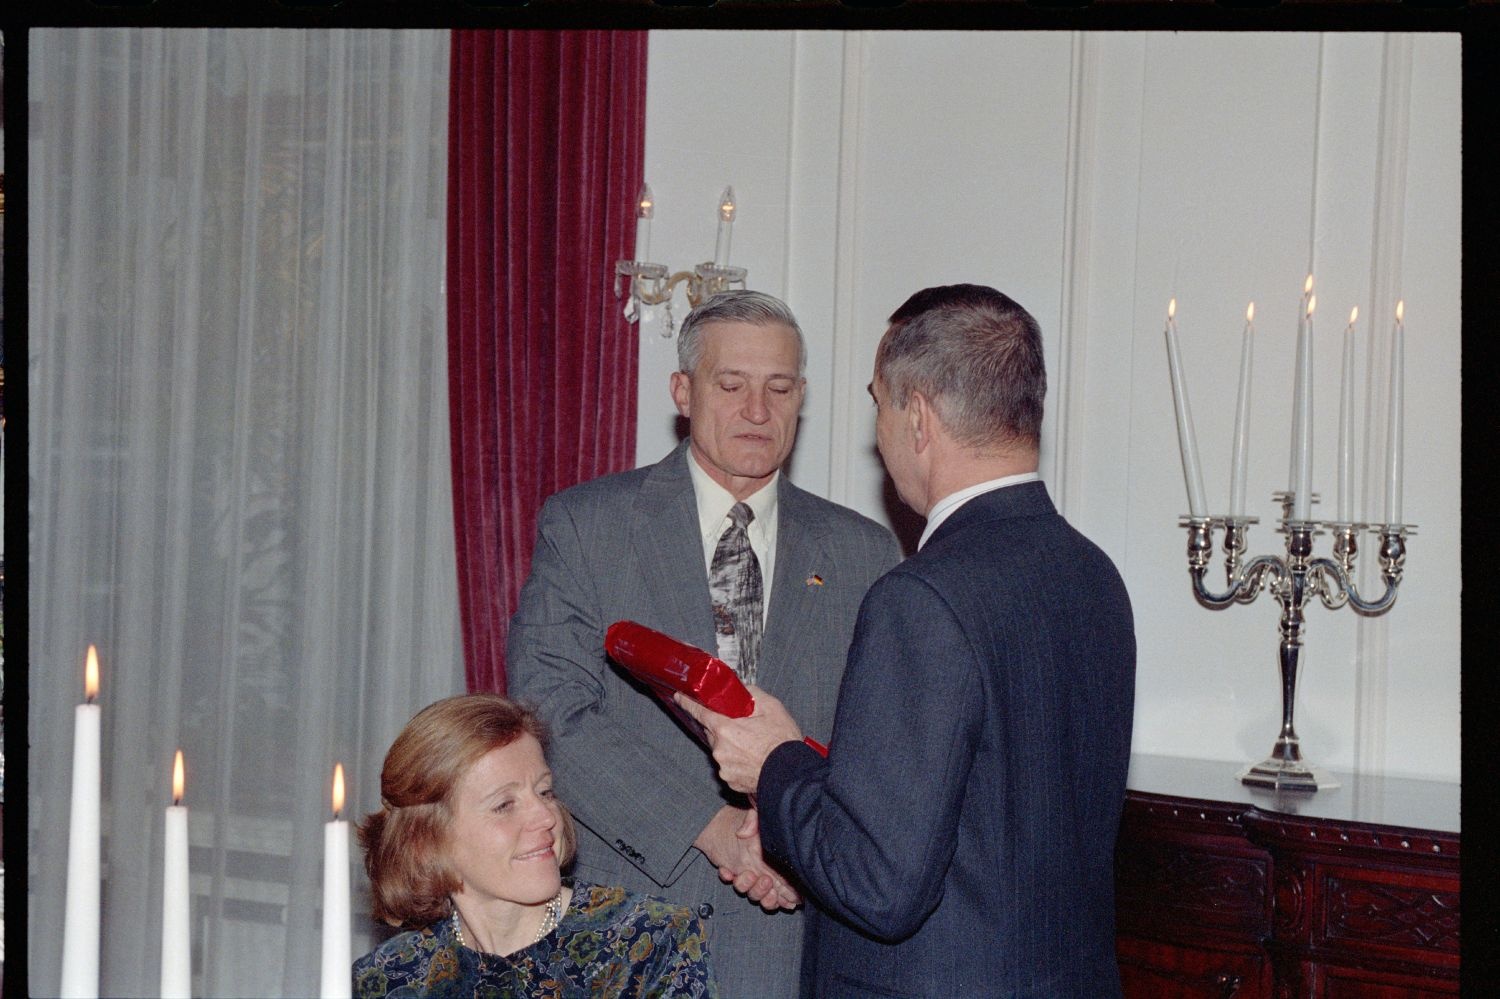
[682,391]
[920,420]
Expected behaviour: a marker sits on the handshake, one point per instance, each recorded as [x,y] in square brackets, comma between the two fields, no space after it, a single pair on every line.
[739,724]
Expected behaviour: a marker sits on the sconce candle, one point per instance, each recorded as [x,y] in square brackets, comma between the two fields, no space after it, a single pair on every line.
[80,964]
[176,934]
[1346,423]
[1185,440]
[726,222]
[1394,429]
[645,210]
[652,284]
[1302,431]
[338,975]
[1242,420]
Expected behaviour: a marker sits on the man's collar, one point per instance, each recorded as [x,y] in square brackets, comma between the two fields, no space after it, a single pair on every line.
[714,500]
[944,508]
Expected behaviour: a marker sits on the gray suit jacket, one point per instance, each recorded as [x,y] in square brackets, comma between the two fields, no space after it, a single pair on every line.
[627,547]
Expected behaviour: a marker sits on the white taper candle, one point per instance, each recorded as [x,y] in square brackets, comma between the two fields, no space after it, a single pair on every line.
[1241,457]
[338,974]
[1346,425]
[1291,467]
[176,926]
[1185,439]
[1394,419]
[1302,423]
[80,965]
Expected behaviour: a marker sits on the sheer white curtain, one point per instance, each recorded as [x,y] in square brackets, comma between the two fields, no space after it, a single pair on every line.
[239,466]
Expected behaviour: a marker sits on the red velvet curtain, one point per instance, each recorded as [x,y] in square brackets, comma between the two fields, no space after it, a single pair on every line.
[546,140]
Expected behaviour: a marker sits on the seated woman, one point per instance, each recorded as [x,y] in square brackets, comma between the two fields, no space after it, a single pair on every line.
[466,854]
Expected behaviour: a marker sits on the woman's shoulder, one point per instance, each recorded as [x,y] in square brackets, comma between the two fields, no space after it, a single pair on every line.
[403,946]
[608,901]
[402,960]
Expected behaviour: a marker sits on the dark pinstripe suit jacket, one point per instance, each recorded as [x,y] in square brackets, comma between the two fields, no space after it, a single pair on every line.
[959,839]
[629,546]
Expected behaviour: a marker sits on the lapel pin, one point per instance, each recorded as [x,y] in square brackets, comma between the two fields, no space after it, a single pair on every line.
[814,580]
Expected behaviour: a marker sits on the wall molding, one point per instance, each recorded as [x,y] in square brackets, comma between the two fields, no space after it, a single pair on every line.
[1372,635]
[845,388]
[1066,471]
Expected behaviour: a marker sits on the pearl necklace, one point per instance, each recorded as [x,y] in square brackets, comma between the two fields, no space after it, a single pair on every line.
[550,917]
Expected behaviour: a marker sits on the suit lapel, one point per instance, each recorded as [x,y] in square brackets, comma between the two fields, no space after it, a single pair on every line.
[666,541]
[801,553]
[667,545]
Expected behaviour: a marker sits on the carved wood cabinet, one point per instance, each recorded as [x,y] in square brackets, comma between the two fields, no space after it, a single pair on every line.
[1228,892]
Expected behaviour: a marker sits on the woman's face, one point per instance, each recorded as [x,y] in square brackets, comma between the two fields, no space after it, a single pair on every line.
[506,824]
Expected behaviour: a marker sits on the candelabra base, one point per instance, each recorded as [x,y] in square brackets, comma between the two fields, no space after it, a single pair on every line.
[1286,775]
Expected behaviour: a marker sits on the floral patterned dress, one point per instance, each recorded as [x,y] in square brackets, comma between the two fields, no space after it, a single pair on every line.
[609,943]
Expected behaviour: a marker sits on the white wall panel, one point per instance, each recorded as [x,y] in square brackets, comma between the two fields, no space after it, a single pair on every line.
[718,113]
[961,179]
[1422,705]
[1108,362]
[812,220]
[1092,178]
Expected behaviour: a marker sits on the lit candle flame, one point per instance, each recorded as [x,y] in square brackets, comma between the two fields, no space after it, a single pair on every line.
[1307,288]
[1312,303]
[91,675]
[1171,309]
[1353,315]
[338,789]
[726,205]
[645,204]
[178,779]
[1400,308]
[1250,313]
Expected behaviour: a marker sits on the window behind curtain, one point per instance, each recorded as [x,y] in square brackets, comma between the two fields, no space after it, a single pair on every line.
[239,466]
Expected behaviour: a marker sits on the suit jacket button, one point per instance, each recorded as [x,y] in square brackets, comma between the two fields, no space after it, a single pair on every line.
[705,910]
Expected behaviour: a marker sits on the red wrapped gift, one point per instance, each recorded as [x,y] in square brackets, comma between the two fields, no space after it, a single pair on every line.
[668,666]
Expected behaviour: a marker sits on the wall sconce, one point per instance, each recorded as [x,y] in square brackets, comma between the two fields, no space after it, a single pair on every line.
[651,284]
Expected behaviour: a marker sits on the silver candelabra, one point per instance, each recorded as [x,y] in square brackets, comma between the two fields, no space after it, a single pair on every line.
[1293,580]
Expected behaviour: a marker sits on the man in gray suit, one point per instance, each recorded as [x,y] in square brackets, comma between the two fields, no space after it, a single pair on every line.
[665,546]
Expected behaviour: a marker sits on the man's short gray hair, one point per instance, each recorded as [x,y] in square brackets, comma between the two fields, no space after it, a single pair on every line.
[976,355]
[735,306]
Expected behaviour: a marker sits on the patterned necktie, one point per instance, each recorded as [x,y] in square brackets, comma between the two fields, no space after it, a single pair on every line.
[734,583]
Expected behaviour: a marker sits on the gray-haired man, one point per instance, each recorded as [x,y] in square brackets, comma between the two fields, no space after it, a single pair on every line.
[715,547]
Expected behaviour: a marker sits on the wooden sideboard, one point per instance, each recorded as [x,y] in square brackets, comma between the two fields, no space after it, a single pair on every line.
[1229,892]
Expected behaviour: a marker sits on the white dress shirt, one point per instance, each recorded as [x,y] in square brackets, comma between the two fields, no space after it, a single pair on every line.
[714,502]
[943,508]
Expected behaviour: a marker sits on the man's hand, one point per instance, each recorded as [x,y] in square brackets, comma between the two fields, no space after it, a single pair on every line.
[731,841]
[741,745]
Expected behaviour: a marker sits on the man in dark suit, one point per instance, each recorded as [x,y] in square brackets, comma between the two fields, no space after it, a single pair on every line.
[959,838]
[653,545]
